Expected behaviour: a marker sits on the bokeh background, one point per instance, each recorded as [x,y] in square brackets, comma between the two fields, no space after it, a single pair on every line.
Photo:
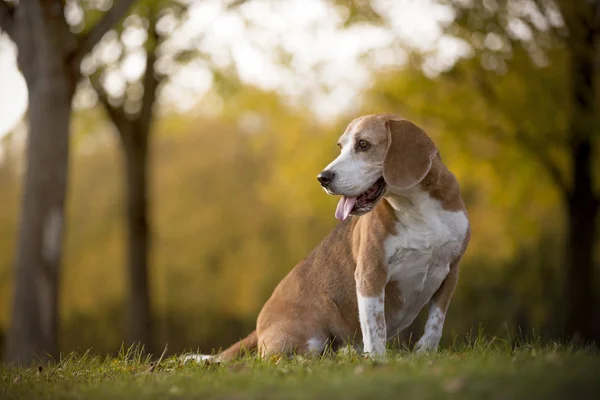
[250,97]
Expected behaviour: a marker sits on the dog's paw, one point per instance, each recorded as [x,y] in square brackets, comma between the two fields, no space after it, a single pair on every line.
[426,345]
[199,358]
[377,357]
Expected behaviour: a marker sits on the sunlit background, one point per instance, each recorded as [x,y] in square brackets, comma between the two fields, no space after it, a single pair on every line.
[252,100]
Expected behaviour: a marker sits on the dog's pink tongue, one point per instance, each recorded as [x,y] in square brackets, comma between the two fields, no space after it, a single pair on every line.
[344,207]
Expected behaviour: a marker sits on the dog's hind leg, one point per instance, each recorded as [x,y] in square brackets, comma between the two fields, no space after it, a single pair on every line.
[283,339]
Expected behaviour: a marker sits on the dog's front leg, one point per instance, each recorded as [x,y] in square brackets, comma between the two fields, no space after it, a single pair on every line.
[370,291]
[372,324]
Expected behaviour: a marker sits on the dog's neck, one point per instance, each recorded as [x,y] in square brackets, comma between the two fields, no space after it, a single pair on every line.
[438,185]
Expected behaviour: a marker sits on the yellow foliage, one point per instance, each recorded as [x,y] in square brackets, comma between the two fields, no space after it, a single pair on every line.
[235,204]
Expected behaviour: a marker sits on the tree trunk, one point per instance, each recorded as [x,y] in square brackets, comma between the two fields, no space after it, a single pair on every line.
[134,132]
[581,201]
[49,56]
[135,145]
[582,213]
[33,332]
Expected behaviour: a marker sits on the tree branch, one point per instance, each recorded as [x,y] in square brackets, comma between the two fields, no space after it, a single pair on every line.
[116,114]
[235,4]
[536,152]
[597,16]
[523,139]
[89,40]
[7,18]
[150,80]
[544,160]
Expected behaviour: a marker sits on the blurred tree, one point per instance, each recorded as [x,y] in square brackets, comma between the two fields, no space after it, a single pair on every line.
[554,34]
[132,112]
[583,22]
[49,55]
[133,120]
[530,81]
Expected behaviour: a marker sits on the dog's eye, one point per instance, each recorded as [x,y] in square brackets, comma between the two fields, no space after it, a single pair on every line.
[362,145]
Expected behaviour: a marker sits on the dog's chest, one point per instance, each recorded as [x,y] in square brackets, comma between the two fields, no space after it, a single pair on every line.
[418,256]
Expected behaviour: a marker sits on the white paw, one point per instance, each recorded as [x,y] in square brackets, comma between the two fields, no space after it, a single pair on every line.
[199,358]
[376,354]
[426,345]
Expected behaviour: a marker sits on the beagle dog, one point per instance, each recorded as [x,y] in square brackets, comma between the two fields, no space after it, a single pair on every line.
[404,229]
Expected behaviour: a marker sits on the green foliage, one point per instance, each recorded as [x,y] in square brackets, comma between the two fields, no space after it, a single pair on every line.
[519,75]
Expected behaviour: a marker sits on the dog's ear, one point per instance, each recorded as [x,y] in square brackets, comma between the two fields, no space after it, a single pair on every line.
[409,155]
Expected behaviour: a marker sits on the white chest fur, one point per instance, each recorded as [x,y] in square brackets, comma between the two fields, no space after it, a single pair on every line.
[418,257]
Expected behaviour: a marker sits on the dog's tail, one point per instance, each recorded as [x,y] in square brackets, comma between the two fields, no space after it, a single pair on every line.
[246,345]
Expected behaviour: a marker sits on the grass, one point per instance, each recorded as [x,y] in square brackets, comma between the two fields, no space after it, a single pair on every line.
[482,369]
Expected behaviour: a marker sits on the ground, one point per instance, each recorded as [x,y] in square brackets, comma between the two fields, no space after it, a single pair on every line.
[492,369]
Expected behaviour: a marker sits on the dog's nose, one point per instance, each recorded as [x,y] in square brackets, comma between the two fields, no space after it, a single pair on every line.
[325,178]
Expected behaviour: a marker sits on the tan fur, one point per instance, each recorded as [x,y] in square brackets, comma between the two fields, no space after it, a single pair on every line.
[317,299]
[369,235]
[409,157]
[443,186]
[248,344]
[442,297]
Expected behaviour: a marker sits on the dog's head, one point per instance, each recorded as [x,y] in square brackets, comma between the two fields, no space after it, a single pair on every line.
[379,153]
